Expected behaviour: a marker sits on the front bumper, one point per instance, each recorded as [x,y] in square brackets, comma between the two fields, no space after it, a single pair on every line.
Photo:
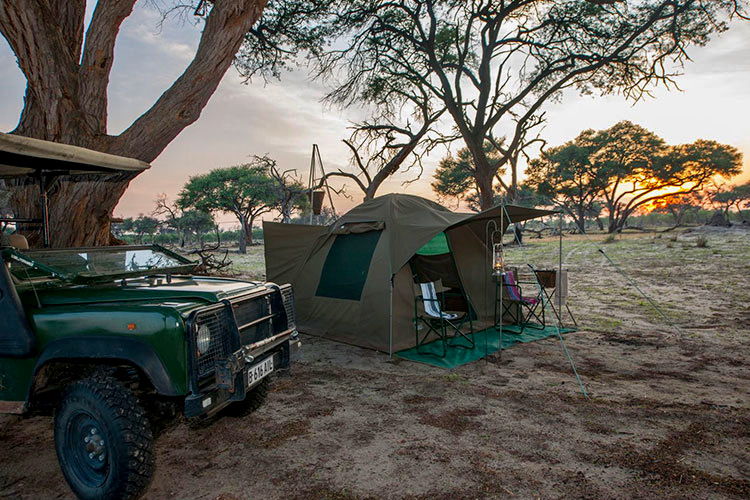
[231,374]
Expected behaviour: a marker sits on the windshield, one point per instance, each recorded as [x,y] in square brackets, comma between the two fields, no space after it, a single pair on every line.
[87,264]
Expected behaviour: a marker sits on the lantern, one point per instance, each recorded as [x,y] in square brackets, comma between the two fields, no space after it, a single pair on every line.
[498,262]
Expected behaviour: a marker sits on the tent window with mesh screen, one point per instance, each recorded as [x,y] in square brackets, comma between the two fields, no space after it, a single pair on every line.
[345,269]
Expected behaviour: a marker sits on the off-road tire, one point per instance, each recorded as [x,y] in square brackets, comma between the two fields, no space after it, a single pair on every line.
[254,399]
[102,404]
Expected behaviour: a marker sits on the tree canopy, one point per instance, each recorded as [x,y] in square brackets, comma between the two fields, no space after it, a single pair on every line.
[735,196]
[492,65]
[290,193]
[565,177]
[455,176]
[246,191]
[627,167]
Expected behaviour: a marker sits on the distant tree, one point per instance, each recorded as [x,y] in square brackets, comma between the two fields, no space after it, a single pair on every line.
[742,198]
[290,192]
[565,176]
[246,191]
[640,169]
[679,206]
[172,213]
[197,224]
[727,197]
[145,225]
[119,229]
[627,167]
[189,222]
[492,65]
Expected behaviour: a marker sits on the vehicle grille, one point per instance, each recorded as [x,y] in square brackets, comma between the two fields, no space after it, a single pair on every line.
[254,319]
[287,295]
[219,322]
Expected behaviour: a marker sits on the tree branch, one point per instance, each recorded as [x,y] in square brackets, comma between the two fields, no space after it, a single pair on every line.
[98,56]
[182,103]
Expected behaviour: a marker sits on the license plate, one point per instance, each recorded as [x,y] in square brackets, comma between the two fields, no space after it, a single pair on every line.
[257,372]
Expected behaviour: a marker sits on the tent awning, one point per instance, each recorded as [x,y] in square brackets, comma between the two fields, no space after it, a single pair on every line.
[21,156]
[513,214]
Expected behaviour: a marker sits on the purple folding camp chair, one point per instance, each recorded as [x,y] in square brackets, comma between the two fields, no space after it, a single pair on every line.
[521,308]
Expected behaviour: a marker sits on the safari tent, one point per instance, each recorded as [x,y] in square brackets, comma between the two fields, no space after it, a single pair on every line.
[354,280]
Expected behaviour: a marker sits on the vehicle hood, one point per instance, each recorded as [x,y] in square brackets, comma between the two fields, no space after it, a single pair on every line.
[183,293]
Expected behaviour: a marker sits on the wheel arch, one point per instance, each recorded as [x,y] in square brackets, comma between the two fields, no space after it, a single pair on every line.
[94,350]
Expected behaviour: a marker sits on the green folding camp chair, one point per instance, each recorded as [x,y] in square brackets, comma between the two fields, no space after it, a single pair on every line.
[448,326]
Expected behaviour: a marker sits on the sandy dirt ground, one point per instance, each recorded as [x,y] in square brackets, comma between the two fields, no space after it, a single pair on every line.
[668,413]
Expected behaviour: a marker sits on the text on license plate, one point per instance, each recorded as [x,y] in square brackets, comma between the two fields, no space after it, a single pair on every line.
[257,372]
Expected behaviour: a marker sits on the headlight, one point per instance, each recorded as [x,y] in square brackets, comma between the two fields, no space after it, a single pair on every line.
[203,339]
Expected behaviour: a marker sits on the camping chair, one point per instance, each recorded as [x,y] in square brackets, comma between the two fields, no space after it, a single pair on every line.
[520,307]
[447,326]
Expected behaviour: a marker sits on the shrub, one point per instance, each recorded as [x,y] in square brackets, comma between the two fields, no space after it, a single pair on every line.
[702,241]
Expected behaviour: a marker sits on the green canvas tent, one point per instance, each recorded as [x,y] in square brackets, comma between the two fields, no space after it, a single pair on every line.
[353,280]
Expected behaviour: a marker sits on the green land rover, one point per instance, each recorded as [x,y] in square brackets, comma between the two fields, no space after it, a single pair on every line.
[114,340]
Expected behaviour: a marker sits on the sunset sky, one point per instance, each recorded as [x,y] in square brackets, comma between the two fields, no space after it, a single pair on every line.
[284,118]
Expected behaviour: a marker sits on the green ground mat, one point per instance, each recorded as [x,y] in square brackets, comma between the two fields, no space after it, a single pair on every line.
[457,356]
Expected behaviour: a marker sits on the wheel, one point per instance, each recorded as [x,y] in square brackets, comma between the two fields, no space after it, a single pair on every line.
[253,400]
[103,441]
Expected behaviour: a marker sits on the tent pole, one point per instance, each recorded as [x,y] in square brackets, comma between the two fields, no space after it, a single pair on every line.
[325,180]
[390,319]
[502,290]
[489,254]
[312,179]
[559,269]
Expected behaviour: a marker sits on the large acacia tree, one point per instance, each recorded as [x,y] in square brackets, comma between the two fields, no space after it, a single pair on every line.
[67,73]
[627,167]
[639,169]
[564,176]
[245,191]
[493,64]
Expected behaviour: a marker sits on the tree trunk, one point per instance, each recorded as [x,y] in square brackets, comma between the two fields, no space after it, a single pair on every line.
[66,100]
[483,173]
[486,194]
[249,231]
[287,203]
[80,209]
[243,235]
[612,223]
[518,233]
[580,218]
[581,223]
[513,188]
